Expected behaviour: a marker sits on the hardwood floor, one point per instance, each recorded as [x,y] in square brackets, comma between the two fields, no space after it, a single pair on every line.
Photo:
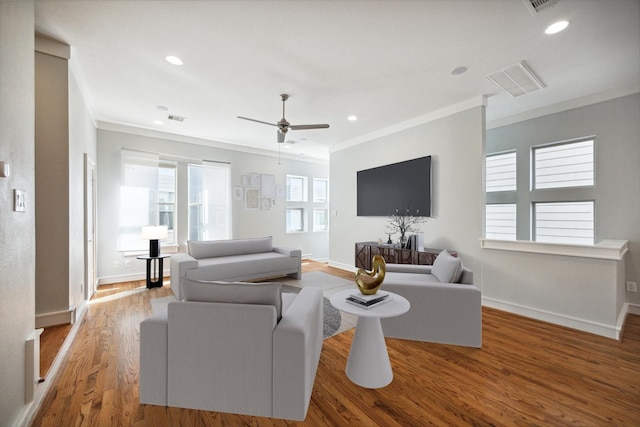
[527,373]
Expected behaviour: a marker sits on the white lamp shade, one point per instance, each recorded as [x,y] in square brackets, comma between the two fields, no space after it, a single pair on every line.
[154,232]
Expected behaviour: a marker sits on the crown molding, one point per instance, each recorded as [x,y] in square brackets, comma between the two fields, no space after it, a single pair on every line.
[478,101]
[151,133]
[566,105]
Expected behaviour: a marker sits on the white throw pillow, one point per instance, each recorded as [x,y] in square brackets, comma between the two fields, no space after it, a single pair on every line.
[234,292]
[447,268]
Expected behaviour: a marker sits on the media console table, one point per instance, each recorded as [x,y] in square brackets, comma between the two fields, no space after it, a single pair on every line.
[394,255]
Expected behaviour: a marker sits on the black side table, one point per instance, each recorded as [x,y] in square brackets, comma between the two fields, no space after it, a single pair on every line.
[154,281]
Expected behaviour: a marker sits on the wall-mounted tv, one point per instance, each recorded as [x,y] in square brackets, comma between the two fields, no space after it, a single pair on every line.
[404,185]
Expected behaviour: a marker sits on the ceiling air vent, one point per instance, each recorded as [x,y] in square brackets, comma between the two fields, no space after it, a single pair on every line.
[176,118]
[516,79]
[535,6]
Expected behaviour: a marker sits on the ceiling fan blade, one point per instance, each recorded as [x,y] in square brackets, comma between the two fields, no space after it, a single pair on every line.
[257,121]
[280,136]
[303,127]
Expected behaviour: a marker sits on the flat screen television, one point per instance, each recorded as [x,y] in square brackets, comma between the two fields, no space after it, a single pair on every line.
[403,185]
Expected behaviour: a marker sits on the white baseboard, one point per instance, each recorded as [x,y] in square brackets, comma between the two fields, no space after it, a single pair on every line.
[633,309]
[608,331]
[42,388]
[341,266]
[109,280]
[54,318]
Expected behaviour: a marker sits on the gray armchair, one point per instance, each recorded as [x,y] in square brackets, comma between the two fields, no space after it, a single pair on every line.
[446,313]
[237,357]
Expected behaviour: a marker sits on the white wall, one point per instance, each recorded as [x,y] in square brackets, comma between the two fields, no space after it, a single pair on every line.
[82,139]
[17,238]
[245,223]
[456,144]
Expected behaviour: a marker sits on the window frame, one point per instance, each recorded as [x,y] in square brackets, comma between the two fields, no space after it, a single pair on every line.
[325,226]
[515,170]
[304,197]
[515,219]
[534,222]
[534,185]
[303,225]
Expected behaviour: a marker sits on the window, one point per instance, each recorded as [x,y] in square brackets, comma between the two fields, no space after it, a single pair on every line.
[564,222]
[209,201]
[563,165]
[501,172]
[147,197]
[557,206]
[320,219]
[295,220]
[297,188]
[500,185]
[320,190]
[501,221]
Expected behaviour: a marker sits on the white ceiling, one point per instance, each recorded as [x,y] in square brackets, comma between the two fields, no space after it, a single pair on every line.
[385,61]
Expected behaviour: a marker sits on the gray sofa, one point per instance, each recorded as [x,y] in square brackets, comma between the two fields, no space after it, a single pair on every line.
[243,348]
[445,307]
[233,260]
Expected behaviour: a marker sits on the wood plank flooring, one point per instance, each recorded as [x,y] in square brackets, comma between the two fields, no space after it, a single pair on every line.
[528,373]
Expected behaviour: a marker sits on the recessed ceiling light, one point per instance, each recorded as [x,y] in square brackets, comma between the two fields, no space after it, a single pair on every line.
[556,27]
[157,122]
[173,60]
[458,70]
[352,118]
[162,108]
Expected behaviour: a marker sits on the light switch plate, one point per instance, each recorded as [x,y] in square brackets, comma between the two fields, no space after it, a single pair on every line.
[19,202]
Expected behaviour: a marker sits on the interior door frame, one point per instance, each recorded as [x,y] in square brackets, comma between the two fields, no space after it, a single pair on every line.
[90,235]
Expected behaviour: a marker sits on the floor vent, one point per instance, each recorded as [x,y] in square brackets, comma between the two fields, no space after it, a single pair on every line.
[516,79]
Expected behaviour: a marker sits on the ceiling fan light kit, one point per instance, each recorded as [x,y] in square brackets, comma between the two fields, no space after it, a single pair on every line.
[283,125]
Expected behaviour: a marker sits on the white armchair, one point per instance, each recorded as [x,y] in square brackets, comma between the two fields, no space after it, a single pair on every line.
[237,357]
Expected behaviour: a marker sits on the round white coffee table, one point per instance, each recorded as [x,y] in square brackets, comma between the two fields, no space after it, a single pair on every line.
[368,364]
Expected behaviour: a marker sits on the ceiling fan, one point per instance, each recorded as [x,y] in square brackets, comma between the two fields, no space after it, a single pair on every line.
[283,125]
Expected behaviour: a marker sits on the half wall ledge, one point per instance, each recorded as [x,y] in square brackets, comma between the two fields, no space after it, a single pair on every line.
[605,249]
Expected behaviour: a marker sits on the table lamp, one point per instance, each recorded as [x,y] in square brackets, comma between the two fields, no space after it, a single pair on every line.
[154,233]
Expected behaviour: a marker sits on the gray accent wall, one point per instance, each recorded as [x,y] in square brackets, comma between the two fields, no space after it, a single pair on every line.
[245,223]
[616,127]
[17,229]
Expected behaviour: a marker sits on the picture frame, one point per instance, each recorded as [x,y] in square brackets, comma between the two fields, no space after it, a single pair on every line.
[254,179]
[268,185]
[265,203]
[252,198]
[238,193]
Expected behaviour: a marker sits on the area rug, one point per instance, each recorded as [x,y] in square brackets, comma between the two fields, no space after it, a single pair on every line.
[335,322]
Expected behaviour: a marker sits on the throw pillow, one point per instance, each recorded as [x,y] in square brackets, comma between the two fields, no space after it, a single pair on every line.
[234,292]
[447,268]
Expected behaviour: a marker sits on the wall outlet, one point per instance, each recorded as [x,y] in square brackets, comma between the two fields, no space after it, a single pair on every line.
[116,264]
[632,287]
[127,263]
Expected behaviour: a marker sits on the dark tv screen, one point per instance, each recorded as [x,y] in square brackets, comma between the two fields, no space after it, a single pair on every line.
[404,185]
